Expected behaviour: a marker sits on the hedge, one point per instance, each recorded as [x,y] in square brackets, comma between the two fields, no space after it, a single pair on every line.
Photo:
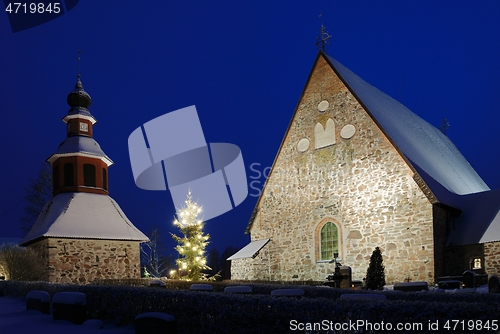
[218,312]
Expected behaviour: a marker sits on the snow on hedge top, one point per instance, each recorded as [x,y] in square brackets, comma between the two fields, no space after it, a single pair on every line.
[201,287]
[418,140]
[156,315]
[43,296]
[238,289]
[288,292]
[70,298]
[83,215]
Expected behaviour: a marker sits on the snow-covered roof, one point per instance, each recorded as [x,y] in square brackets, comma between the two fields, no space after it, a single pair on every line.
[479,221]
[79,111]
[493,231]
[436,159]
[81,145]
[83,215]
[477,217]
[419,141]
[249,250]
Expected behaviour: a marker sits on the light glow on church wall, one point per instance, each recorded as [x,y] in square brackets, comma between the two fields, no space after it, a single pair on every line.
[353,177]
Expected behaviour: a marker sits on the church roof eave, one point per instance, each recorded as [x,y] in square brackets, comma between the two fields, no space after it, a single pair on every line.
[80,146]
[67,216]
[104,159]
[84,115]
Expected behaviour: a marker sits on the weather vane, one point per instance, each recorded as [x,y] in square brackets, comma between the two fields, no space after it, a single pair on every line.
[322,39]
[444,126]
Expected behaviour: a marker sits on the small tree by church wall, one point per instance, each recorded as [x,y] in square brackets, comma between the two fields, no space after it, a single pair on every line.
[375,275]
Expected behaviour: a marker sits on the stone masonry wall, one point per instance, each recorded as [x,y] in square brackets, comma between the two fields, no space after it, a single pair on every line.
[360,183]
[83,260]
[242,269]
[255,269]
[492,257]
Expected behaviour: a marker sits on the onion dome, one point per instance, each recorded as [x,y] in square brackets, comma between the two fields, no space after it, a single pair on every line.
[79,101]
[79,98]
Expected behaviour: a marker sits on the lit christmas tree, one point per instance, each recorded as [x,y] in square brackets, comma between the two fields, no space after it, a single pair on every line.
[191,246]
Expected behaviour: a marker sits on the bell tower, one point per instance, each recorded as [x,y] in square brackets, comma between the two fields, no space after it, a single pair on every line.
[82,234]
[79,164]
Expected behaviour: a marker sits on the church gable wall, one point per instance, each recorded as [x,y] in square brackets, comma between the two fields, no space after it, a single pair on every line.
[355,179]
[83,260]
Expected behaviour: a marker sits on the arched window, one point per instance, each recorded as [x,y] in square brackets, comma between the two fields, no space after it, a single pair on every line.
[69,179]
[329,241]
[104,179]
[89,175]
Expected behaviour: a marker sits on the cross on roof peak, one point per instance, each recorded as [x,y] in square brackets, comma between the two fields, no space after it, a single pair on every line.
[322,39]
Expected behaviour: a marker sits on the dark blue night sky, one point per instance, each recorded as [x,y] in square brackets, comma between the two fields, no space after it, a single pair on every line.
[244,65]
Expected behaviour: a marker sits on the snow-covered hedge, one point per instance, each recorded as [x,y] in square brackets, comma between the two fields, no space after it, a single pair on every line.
[69,298]
[198,312]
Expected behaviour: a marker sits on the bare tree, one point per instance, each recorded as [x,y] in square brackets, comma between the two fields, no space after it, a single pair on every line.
[214,261]
[154,263]
[38,193]
[20,263]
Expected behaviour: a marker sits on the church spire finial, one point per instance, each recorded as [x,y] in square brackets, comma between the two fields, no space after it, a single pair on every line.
[445,125]
[79,98]
[79,52]
[322,39]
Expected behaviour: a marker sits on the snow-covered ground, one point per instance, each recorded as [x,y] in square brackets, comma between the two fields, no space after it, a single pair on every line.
[14,318]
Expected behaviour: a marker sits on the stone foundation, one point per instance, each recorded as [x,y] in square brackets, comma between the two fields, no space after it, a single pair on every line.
[83,260]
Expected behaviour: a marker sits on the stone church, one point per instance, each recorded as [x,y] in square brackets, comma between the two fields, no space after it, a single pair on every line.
[356,170]
[82,234]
